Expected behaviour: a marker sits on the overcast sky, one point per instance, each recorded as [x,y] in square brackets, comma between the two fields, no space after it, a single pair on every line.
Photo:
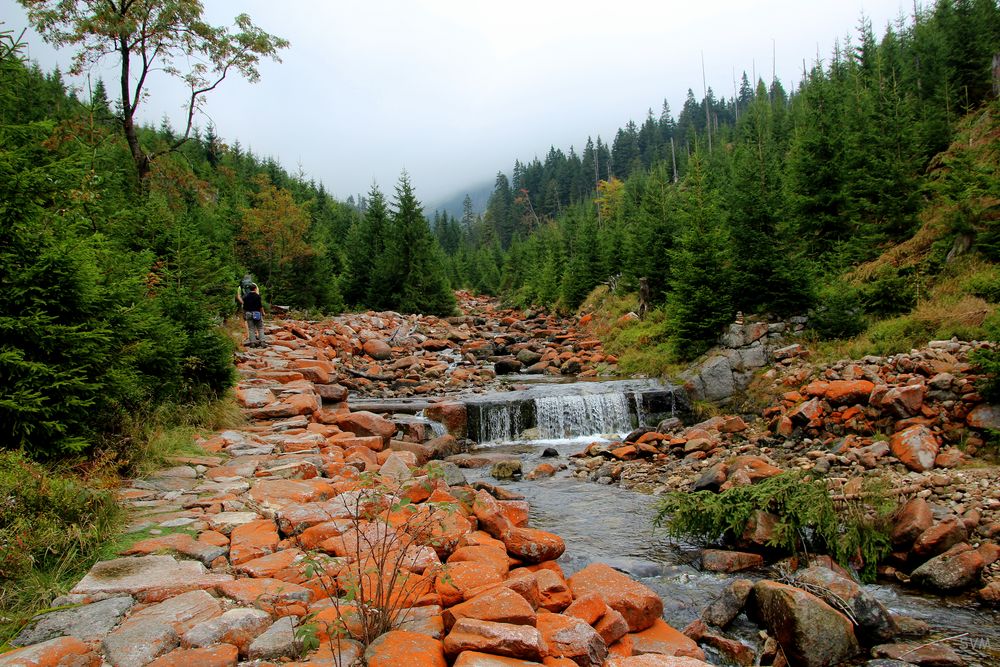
[456,90]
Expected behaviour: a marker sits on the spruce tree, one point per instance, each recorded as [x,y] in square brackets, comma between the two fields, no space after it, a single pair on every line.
[700,298]
[411,271]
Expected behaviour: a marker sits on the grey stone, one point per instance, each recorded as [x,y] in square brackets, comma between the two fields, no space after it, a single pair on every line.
[278,641]
[728,606]
[754,356]
[528,357]
[138,576]
[810,631]
[139,644]
[236,626]
[734,337]
[183,472]
[716,376]
[89,622]
[873,622]
[450,473]
[395,467]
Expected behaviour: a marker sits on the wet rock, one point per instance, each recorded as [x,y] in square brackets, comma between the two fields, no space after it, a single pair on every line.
[638,603]
[874,624]
[811,633]
[501,605]
[573,638]
[926,654]
[507,366]
[506,469]
[89,622]
[940,537]
[454,416]
[662,639]
[653,660]
[729,604]
[716,560]
[365,423]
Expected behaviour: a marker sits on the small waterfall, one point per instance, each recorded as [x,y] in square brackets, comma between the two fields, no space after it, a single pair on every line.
[588,414]
[501,422]
[640,415]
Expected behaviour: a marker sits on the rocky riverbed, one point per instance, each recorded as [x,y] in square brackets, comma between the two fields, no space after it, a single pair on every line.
[281,544]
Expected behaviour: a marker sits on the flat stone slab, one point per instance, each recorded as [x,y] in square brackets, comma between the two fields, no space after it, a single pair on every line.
[88,623]
[148,578]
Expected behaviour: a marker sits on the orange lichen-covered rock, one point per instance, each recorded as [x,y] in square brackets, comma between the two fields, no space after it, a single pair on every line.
[506,639]
[220,655]
[662,638]
[252,540]
[499,604]
[400,647]
[59,652]
[638,603]
[573,638]
[463,579]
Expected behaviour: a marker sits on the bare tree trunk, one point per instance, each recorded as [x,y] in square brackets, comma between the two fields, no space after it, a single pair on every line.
[708,120]
[996,75]
[139,156]
[673,157]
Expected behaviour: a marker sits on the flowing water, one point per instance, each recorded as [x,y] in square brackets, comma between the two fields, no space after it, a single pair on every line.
[612,525]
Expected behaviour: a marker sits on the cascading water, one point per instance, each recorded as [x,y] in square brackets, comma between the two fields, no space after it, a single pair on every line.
[500,423]
[589,414]
[569,410]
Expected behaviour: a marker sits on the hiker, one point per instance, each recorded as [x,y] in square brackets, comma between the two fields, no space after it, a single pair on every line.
[253,316]
[241,291]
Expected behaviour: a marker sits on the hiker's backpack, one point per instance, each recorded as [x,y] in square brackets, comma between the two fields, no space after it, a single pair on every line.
[245,285]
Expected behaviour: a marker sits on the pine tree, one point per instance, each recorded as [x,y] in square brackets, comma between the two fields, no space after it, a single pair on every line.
[411,271]
[365,247]
[700,298]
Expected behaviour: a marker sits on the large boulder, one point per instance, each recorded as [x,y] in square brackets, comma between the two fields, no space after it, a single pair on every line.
[916,447]
[873,621]
[638,603]
[573,638]
[811,632]
[954,570]
[910,521]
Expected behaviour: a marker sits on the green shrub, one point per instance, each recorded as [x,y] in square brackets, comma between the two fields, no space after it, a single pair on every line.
[985,285]
[808,519]
[838,313]
[46,519]
[888,293]
[987,362]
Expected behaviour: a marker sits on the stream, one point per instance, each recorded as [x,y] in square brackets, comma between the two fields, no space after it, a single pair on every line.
[609,524]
